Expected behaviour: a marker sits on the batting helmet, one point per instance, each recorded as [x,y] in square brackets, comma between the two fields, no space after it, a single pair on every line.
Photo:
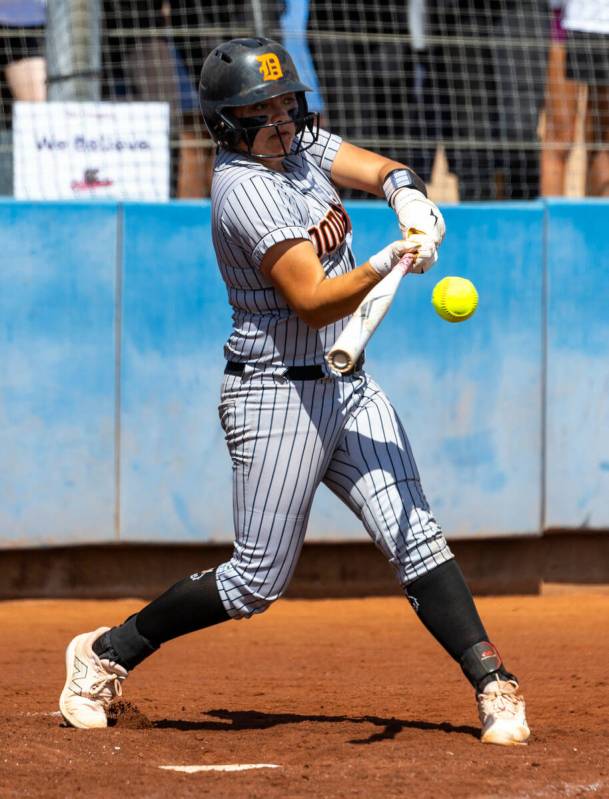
[245,71]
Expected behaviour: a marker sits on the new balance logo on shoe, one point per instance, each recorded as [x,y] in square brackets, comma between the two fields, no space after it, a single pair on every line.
[78,676]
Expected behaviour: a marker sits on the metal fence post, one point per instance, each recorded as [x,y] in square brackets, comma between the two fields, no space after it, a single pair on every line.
[73,49]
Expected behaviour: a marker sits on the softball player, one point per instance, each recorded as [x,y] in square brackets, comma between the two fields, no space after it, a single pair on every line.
[283,244]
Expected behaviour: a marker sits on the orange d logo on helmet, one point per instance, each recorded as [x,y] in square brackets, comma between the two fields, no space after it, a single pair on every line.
[270,66]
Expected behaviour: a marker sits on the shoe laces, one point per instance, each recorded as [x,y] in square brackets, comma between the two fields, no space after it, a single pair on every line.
[106,686]
[502,701]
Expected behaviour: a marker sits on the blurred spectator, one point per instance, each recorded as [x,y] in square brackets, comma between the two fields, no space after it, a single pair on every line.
[137,59]
[22,51]
[192,23]
[340,64]
[490,70]
[587,26]
[560,110]
[376,88]
[293,23]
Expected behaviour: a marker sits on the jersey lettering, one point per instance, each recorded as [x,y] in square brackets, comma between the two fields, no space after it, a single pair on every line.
[330,234]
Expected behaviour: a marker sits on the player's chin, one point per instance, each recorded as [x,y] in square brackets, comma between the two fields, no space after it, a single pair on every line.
[280,142]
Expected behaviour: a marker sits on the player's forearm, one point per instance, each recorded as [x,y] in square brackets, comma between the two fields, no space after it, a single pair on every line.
[296,271]
[336,297]
[325,300]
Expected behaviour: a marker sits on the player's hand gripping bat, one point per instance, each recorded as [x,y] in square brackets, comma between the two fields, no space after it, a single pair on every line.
[368,315]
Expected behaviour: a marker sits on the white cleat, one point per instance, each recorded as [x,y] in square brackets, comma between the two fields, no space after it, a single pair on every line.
[91,683]
[501,711]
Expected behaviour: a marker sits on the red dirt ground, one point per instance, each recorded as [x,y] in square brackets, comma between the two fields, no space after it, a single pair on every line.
[351,698]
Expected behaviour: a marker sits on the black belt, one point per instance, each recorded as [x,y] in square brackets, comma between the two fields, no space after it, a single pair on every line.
[293,372]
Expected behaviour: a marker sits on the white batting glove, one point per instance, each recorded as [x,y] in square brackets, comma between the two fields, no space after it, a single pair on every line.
[385,260]
[418,216]
[427,252]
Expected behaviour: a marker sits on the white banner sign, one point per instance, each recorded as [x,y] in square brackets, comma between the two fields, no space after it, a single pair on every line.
[90,150]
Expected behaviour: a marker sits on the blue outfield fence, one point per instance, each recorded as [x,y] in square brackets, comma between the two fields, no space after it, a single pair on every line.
[112,320]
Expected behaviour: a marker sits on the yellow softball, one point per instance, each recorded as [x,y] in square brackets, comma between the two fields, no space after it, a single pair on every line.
[454,298]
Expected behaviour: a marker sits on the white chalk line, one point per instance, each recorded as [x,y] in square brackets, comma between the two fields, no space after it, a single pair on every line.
[226,767]
[42,713]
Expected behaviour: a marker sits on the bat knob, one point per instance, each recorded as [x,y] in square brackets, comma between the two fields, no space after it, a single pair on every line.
[340,360]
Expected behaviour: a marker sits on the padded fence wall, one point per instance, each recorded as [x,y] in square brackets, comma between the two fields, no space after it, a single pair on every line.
[112,320]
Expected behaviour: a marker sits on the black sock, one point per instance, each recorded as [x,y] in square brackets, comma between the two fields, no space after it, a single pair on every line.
[446,607]
[189,605]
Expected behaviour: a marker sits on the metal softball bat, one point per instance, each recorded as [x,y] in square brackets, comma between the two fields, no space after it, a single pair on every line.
[368,315]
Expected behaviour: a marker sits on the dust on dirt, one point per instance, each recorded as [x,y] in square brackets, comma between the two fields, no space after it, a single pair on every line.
[127,715]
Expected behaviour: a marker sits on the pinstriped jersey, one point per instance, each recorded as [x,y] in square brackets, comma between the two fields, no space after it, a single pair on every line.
[253,208]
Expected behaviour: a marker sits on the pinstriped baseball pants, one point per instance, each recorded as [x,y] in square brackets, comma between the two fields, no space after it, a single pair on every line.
[284,439]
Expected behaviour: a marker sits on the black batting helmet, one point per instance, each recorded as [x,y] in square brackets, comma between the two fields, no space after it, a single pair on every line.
[245,71]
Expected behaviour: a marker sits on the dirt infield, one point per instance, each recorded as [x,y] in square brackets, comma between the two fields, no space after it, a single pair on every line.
[349,698]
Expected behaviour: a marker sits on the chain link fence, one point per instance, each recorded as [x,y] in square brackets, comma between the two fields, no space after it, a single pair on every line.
[486,99]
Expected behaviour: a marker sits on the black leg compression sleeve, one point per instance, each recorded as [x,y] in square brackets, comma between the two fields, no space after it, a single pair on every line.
[446,607]
[189,605]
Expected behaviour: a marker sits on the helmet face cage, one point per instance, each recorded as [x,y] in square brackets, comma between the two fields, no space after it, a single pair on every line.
[245,129]
[243,72]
